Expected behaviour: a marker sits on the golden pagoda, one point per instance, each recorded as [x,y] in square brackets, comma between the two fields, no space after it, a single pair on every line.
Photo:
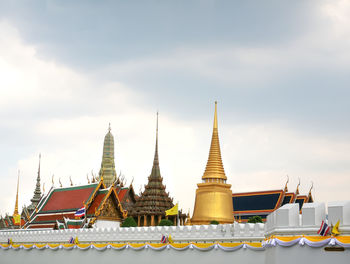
[213,196]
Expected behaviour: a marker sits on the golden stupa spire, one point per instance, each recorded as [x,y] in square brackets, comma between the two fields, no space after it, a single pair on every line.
[16,204]
[213,195]
[215,168]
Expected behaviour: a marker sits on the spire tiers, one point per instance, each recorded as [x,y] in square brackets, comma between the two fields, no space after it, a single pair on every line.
[154,200]
[37,192]
[16,203]
[214,168]
[107,164]
[213,196]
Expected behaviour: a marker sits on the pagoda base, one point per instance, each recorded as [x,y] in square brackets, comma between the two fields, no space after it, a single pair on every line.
[213,202]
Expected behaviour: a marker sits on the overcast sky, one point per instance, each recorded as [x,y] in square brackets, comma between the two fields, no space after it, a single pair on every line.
[280,71]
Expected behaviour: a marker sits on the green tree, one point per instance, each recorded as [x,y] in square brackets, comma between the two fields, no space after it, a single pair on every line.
[255,219]
[129,222]
[166,222]
[214,222]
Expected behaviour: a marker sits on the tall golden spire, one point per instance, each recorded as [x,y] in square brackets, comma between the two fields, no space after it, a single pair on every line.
[16,204]
[213,196]
[214,168]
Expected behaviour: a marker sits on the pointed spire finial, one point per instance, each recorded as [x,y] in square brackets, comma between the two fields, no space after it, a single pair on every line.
[155,169]
[16,203]
[214,168]
[37,192]
[216,115]
[109,127]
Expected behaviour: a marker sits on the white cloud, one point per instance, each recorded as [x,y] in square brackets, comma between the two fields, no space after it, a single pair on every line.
[256,156]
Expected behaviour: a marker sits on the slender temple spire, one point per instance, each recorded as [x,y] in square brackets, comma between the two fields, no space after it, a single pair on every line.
[16,204]
[155,169]
[214,168]
[154,200]
[37,192]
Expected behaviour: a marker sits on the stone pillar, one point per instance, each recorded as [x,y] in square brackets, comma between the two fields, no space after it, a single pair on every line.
[145,220]
[152,220]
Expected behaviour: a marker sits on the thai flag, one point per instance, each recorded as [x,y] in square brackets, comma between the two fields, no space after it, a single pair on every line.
[80,212]
[324,229]
[71,240]
[163,240]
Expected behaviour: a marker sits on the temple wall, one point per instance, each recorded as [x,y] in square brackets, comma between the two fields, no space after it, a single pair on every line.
[234,232]
[287,232]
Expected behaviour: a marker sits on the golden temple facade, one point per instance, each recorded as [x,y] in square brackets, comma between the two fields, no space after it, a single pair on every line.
[214,195]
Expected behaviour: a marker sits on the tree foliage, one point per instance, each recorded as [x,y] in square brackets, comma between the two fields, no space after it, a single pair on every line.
[129,222]
[214,222]
[166,222]
[255,219]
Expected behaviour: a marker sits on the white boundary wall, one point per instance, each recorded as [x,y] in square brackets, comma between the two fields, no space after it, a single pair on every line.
[209,233]
[286,221]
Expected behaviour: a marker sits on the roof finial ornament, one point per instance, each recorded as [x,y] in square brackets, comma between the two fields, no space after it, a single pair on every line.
[87,177]
[103,172]
[286,187]
[71,183]
[312,186]
[59,180]
[52,181]
[109,127]
[43,188]
[297,190]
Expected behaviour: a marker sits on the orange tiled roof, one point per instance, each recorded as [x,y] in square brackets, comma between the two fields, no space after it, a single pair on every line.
[67,198]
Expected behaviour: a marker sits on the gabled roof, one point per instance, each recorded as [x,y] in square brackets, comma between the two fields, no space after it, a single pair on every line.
[301,199]
[67,199]
[100,195]
[62,202]
[111,193]
[255,203]
[122,193]
[289,197]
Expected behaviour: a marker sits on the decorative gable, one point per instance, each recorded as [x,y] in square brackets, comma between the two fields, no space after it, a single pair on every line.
[110,211]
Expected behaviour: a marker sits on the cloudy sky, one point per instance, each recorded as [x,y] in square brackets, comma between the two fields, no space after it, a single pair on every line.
[280,71]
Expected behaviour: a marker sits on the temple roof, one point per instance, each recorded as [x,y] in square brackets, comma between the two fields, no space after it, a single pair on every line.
[153,200]
[62,203]
[255,203]
[67,199]
[289,197]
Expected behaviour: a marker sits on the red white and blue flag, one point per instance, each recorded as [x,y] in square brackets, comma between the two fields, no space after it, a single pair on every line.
[163,240]
[324,229]
[71,240]
[80,212]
